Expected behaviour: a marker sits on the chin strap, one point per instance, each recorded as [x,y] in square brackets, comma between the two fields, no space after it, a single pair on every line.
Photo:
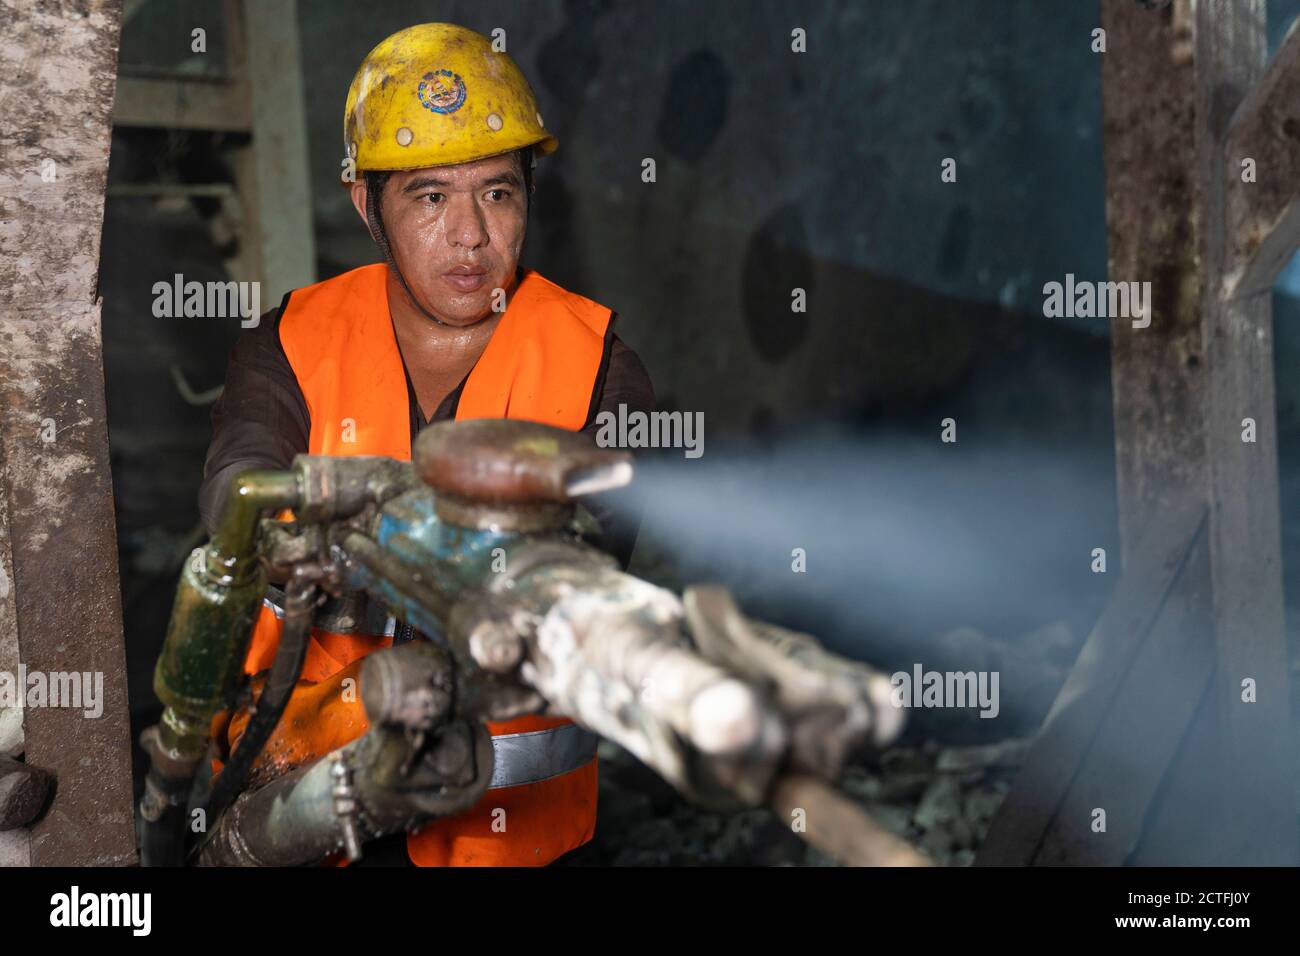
[380,235]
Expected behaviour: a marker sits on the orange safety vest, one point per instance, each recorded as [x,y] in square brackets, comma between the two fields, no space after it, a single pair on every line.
[541,364]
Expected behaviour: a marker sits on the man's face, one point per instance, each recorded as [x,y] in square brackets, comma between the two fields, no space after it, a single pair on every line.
[456,232]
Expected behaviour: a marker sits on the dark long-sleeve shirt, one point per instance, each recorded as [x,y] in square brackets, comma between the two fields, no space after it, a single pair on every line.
[262,421]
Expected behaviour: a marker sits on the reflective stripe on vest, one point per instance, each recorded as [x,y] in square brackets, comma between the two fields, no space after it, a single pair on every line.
[539,755]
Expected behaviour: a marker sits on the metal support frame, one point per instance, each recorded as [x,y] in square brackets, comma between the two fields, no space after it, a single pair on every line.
[1152,725]
[259,94]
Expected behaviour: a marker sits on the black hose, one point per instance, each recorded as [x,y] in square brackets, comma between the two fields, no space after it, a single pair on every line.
[300,600]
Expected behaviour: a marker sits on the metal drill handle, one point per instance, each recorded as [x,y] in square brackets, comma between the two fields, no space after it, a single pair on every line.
[501,461]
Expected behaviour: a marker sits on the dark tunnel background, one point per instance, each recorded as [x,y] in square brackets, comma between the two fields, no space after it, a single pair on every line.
[775,171]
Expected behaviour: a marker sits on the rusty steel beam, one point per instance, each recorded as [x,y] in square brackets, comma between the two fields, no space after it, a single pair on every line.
[58,62]
[1149,153]
[1251,693]
[1263,199]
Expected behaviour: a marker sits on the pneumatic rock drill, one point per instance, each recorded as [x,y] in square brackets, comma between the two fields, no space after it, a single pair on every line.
[475,544]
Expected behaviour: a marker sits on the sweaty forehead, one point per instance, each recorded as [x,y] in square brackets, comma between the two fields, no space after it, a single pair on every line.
[462,175]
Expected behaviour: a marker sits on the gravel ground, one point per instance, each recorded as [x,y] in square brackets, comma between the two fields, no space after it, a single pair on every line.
[940,798]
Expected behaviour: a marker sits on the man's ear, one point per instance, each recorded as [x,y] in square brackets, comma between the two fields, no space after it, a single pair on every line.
[358,191]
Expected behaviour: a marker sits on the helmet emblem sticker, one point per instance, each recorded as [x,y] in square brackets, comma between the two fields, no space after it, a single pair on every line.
[441,91]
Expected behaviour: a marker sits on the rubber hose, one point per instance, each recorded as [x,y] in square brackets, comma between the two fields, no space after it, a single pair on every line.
[280,683]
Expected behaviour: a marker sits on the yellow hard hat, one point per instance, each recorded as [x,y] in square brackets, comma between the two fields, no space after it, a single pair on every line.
[438,94]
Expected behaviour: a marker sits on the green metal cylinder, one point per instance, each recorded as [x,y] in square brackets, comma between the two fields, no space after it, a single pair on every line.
[207,639]
[217,602]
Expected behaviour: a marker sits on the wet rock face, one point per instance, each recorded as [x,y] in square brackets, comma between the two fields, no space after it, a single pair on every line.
[941,799]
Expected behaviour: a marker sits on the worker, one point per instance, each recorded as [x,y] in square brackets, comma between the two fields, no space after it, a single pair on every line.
[443,132]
